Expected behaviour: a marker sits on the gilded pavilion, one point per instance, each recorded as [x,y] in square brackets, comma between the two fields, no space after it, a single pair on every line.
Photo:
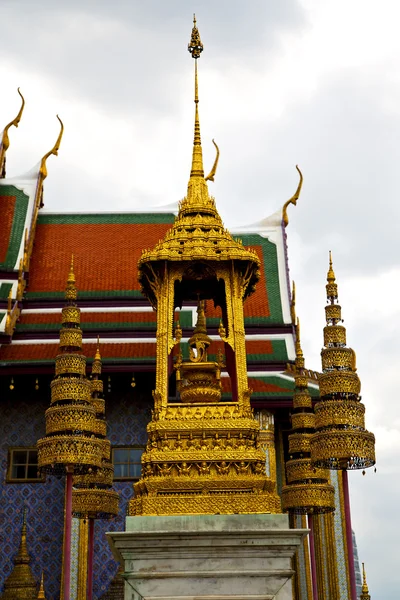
[245,447]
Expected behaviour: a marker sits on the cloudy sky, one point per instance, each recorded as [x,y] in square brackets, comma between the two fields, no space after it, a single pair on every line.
[313,82]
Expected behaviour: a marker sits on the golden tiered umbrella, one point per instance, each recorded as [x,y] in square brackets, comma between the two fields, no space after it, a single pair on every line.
[70,444]
[341,441]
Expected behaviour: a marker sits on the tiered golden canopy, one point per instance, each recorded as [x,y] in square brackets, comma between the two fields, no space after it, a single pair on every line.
[71,419]
[341,440]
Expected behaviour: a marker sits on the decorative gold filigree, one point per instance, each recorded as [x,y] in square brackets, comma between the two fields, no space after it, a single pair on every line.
[334,335]
[70,418]
[301,470]
[339,382]
[338,358]
[71,338]
[71,364]
[349,413]
[69,450]
[95,503]
[71,314]
[308,498]
[343,449]
[303,420]
[70,388]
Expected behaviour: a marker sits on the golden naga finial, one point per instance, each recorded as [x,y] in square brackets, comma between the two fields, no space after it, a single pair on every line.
[211,175]
[41,589]
[292,200]
[54,150]
[70,290]
[364,590]
[5,140]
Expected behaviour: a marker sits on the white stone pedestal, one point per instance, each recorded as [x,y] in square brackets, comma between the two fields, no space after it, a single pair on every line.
[213,557]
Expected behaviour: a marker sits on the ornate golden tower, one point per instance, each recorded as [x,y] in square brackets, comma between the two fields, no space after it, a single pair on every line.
[71,419]
[21,584]
[92,497]
[203,455]
[341,440]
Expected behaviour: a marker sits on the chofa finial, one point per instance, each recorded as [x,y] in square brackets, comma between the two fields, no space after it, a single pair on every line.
[54,150]
[292,200]
[5,140]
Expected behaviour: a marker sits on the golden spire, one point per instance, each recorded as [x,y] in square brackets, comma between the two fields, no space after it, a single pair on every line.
[41,593]
[299,351]
[54,150]
[5,141]
[195,48]
[364,590]
[70,290]
[96,366]
[292,200]
[21,583]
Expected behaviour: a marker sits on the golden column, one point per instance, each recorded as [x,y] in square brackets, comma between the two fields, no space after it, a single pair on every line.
[21,585]
[341,441]
[308,491]
[203,455]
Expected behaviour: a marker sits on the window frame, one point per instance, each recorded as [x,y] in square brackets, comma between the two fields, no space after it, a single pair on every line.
[11,464]
[126,447]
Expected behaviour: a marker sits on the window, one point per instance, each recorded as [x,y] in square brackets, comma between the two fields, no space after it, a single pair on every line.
[23,465]
[127,462]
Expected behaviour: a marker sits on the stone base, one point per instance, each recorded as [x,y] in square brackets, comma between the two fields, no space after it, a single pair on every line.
[213,557]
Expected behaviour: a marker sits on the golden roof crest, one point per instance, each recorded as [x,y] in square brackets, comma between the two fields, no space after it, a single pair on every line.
[5,140]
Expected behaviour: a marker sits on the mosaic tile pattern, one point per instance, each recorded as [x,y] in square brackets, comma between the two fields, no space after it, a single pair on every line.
[127,418]
[21,424]
[340,553]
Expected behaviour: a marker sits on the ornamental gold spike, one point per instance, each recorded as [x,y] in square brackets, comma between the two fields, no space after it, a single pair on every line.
[21,583]
[5,140]
[41,593]
[308,490]
[364,590]
[341,440]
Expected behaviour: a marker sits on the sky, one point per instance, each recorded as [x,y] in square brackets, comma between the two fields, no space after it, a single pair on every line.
[308,82]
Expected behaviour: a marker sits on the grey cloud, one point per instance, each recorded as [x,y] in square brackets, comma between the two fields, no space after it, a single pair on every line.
[131,56]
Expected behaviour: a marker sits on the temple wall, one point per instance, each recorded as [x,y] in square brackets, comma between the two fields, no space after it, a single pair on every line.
[21,424]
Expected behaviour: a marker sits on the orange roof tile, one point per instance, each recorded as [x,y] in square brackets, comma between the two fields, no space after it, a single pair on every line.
[105,255]
[7,205]
[35,351]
